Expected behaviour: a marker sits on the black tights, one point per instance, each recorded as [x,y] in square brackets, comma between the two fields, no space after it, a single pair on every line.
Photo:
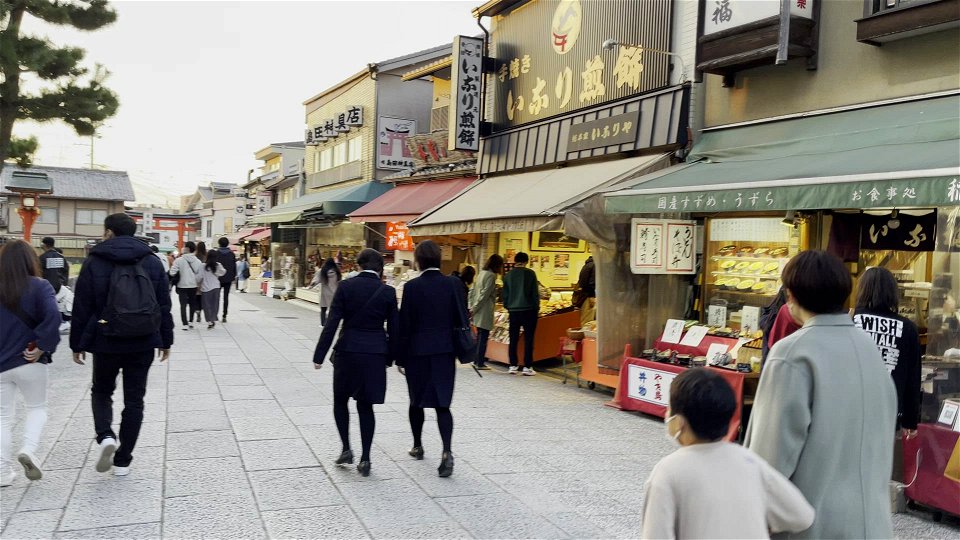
[367,423]
[444,423]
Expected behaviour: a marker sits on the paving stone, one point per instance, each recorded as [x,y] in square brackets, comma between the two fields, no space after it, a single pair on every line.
[464,481]
[233,369]
[313,415]
[178,377]
[67,455]
[232,359]
[147,465]
[189,365]
[123,502]
[323,522]
[215,420]
[10,497]
[152,434]
[204,444]
[287,489]
[216,515]
[254,408]
[445,529]
[256,429]
[50,492]
[203,402]
[141,531]
[276,454]
[28,525]
[208,475]
[513,520]
[233,393]
[387,503]
[238,380]
[191,388]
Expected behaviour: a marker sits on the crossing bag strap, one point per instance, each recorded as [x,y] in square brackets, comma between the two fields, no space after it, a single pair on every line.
[365,305]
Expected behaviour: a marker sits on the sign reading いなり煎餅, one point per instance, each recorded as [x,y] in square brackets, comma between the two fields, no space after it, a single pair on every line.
[332,128]
[466,81]
[650,385]
[392,150]
[609,131]
[662,246]
[905,193]
[721,15]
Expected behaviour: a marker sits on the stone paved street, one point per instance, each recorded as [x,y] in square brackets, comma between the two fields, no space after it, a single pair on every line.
[239,442]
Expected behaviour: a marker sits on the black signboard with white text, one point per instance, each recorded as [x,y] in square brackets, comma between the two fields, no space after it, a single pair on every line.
[905,233]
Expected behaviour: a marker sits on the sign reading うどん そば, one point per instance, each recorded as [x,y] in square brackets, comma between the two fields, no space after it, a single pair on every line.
[465,84]
[663,246]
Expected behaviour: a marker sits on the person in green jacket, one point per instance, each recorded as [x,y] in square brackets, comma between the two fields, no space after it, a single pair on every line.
[521,297]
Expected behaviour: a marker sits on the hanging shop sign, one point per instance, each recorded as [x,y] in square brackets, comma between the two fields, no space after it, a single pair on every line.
[398,236]
[264,202]
[904,193]
[722,15]
[660,246]
[392,150]
[430,149]
[466,83]
[613,130]
[903,233]
[550,59]
[333,127]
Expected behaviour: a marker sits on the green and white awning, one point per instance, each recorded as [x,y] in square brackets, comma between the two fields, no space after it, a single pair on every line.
[891,156]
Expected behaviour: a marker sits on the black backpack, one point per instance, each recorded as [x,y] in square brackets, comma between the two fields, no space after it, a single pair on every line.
[132,309]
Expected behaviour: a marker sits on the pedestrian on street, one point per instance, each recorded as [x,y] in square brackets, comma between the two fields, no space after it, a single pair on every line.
[53,264]
[329,282]
[688,492]
[30,320]
[899,343]
[466,278]
[364,351]
[161,257]
[826,408]
[430,311]
[201,251]
[243,273]
[483,300]
[119,270]
[183,274]
[587,283]
[521,297]
[209,283]
[229,261]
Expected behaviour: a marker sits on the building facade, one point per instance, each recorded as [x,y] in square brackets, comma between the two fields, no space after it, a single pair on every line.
[222,209]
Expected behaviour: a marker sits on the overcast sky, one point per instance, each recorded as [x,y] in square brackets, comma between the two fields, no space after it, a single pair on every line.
[203,85]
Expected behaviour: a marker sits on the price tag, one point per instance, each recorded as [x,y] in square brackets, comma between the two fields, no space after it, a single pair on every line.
[694,336]
[717,316]
[749,319]
[714,352]
[673,331]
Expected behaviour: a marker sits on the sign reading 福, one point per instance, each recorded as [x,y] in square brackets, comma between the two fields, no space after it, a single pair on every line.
[466,83]
[721,15]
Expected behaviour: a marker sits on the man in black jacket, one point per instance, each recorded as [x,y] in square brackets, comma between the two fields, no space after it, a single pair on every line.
[111,355]
[229,262]
[54,265]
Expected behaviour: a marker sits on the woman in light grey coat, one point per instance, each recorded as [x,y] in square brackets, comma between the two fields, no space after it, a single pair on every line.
[826,409]
[329,281]
[482,301]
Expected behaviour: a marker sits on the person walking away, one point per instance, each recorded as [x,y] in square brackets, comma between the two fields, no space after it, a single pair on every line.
[521,297]
[243,273]
[825,410]
[466,278]
[184,274]
[364,351]
[53,264]
[329,282]
[430,311]
[121,314]
[229,261]
[483,300]
[30,321]
[209,283]
[161,257]
[587,282]
[898,340]
[688,491]
[201,252]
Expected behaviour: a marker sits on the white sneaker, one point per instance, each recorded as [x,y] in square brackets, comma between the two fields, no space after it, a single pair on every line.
[529,372]
[65,327]
[121,471]
[7,479]
[513,370]
[186,327]
[31,465]
[108,447]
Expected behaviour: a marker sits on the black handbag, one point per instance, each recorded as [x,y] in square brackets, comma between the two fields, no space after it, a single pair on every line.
[464,344]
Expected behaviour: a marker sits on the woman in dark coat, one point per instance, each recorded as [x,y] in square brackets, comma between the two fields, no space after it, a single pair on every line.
[363,351]
[430,311]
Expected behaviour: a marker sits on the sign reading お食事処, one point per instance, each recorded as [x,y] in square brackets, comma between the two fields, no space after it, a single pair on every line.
[333,127]
[392,150]
[662,246]
[466,83]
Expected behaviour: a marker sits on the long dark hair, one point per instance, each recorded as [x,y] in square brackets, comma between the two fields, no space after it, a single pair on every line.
[494,264]
[201,251]
[18,263]
[877,290]
[213,258]
[328,265]
[467,275]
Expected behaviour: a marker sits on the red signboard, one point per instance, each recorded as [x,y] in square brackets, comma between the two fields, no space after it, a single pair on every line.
[398,236]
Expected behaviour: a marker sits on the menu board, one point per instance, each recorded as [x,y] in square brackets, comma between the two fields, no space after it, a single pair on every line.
[663,246]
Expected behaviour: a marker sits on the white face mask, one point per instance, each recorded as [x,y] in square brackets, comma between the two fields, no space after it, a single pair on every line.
[675,438]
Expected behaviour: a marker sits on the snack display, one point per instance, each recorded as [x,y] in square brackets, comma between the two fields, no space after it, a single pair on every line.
[740,267]
[759,252]
[778,252]
[726,265]
[746,250]
[755,267]
[745,284]
[727,250]
[771,268]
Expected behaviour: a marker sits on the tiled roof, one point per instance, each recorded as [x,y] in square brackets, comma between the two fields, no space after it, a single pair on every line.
[89,184]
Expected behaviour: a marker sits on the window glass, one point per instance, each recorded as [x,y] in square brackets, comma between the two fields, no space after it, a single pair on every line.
[326,159]
[84,217]
[339,154]
[356,148]
[48,216]
[98,216]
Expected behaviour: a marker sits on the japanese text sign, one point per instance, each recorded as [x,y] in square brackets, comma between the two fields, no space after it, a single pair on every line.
[650,385]
[672,331]
[398,236]
[659,246]
[466,84]
[721,15]
[610,131]
[333,127]
[392,150]
[905,233]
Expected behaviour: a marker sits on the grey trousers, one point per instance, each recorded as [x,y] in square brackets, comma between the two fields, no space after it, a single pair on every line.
[211,305]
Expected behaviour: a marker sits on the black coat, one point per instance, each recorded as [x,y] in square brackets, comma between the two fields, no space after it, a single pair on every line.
[229,262]
[430,311]
[364,349]
[55,269]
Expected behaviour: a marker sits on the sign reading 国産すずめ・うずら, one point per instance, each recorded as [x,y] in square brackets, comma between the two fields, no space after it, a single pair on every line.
[392,150]
[333,127]
[465,84]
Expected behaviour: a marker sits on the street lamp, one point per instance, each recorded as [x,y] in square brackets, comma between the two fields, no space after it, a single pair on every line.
[612,44]
[29,185]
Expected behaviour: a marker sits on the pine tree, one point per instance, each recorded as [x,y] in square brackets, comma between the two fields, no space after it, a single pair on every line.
[71,94]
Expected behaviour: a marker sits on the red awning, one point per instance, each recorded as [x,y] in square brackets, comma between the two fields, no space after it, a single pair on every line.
[406,202]
[261,234]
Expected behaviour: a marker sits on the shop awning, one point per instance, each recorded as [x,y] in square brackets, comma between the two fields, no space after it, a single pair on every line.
[333,203]
[896,155]
[257,236]
[407,202]
[244,232]
[528,201]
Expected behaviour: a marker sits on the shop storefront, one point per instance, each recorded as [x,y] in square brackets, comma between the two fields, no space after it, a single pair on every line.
[877,186]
